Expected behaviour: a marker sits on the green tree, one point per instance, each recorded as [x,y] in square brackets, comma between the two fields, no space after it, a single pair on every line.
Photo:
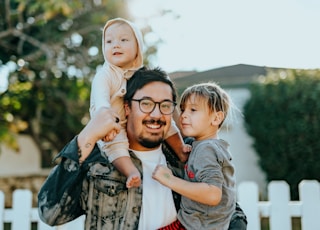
[50,49]
[282,116]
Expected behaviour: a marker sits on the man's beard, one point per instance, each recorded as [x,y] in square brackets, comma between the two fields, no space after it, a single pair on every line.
[150,143]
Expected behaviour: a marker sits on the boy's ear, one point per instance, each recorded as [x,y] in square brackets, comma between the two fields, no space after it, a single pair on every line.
[217,118]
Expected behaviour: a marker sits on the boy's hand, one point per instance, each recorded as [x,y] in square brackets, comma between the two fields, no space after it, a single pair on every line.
[162,174]
[186,148]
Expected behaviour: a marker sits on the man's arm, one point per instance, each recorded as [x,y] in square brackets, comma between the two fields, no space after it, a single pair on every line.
[238,219]
[59,197]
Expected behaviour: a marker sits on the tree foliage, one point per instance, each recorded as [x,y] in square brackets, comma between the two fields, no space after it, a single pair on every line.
[50,50]
[282,116]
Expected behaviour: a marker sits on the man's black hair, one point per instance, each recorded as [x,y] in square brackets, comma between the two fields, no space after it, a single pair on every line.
[143,76]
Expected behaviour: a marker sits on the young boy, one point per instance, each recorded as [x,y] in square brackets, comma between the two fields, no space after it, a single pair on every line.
[122,48]
[208,188]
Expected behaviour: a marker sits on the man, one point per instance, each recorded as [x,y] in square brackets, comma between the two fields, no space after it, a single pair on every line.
[85,183]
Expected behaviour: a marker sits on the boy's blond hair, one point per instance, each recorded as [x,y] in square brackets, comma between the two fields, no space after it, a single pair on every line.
[215,98]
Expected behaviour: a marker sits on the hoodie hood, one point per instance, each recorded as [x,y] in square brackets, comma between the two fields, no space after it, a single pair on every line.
[139,59]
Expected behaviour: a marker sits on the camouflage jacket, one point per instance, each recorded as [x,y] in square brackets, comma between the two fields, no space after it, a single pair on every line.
[98,190]
[95,189]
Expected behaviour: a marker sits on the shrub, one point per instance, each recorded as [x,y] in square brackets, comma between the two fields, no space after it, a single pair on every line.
[283,118]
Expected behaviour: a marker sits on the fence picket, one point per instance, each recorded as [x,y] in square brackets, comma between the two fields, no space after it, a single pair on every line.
[1,209]
[248,199]
[279,209]
[22,204]
[309,192]
[279,196]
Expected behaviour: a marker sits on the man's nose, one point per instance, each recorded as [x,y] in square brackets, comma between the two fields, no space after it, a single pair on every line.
[156,111]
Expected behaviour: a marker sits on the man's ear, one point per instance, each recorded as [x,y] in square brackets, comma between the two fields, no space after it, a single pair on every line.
[217,118]
[126,108]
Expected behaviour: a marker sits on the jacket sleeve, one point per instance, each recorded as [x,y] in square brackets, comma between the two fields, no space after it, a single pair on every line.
[59,197]
[238,219]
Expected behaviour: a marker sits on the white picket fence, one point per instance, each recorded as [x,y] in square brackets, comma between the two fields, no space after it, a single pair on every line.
[279,209]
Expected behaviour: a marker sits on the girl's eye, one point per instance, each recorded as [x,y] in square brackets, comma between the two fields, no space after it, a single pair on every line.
[108,41]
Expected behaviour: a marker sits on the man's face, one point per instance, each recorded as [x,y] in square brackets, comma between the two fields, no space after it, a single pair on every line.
[147,130]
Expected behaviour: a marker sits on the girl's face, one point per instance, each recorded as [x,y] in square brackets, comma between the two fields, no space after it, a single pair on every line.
[120,46]
[196,120]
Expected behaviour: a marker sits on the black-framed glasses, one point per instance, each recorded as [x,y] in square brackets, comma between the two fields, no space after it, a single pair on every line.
[147,105]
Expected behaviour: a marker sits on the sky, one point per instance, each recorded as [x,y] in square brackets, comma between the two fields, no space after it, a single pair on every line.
[199,35]
[206,34]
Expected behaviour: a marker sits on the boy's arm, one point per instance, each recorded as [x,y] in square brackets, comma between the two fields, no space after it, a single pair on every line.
[197,191]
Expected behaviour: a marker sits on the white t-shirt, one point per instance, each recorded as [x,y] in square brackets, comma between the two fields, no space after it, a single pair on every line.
[158,208]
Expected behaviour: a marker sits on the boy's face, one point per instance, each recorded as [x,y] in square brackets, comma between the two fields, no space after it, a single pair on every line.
[121,46]
[196,120]
[147,130]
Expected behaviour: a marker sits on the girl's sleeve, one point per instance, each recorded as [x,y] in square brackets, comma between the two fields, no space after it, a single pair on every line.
[173,129]
[100,91]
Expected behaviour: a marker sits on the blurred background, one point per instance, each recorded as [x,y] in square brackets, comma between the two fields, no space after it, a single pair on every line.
[266,54]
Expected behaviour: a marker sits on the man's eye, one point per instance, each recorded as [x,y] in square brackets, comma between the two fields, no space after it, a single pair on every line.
[165,105]
[146,103]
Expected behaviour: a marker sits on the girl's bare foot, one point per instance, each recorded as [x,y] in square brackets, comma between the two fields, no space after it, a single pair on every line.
[133,180]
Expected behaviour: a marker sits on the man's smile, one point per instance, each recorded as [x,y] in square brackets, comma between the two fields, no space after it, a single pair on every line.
[154,124]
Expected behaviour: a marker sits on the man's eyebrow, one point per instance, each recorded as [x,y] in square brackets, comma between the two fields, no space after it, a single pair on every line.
[145,97]
[150,98]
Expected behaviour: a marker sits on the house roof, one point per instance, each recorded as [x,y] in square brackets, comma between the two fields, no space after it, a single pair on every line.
[229,76]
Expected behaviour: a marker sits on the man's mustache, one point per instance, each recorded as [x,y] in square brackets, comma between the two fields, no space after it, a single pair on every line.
[153,121]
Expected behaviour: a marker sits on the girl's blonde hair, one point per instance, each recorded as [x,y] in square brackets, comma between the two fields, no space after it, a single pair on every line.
[212,94]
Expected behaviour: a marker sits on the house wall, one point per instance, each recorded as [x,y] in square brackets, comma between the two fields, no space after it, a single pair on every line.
[27,161]
[21,170]
[245,158]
